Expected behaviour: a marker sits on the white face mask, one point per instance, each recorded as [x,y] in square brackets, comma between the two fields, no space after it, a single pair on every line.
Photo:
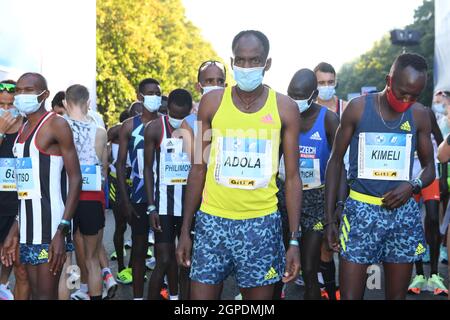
[210,88]
[27,103]
[152,103]
[175,123]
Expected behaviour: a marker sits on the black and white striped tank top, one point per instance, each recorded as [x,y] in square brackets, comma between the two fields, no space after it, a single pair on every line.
[172,169]
[42,188]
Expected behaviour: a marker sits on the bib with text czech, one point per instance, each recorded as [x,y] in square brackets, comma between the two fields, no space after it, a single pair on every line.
[384,156]
[243,163]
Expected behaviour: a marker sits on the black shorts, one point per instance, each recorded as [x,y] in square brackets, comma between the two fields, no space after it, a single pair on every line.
[171,228]
[140,226]
[89,217]
[6,223]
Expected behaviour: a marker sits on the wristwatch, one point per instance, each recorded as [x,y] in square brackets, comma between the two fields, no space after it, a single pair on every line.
[151,208]
[417,185]
[65,229]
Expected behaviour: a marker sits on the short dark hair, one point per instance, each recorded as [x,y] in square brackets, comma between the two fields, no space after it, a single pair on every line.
[145,82]
[77,94]
[181,98]
[58,99]
[413,60]
[258,34]
[41,80]
[9,81]
[325,68]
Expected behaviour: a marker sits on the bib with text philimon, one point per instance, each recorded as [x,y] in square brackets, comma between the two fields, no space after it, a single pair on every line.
[92,178]
[7,174]
[243,163]
[25,179]
[384,156]
[175,164]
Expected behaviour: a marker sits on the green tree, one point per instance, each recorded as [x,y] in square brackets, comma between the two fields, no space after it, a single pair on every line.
[371,67]
[140,39]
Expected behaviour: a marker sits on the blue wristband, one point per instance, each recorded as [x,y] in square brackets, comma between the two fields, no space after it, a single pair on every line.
[66,222]
[294,242]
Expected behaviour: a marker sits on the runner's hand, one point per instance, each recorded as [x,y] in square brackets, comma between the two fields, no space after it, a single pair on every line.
[6,122]
[292,264]
[9,249]
[184,248]
[331,236]
[397,197]
[154,222]
[127,210]
[57,253]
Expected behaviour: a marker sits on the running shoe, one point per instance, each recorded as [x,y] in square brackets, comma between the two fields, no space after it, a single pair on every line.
[436,285]
[151,238]
[150,263]
[164,293]
[443,254]
[283,292]
[113,255]
[299,281]
[110,285]
[417,285]
[79,295]
[149,252]
[238,297]
[125,276]
[324,294]
[128,244]
[5,292]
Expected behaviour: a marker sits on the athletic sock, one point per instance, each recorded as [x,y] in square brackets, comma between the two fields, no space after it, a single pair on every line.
[173,297]
[106,271]
[328,270]
[84,287]
[96,297]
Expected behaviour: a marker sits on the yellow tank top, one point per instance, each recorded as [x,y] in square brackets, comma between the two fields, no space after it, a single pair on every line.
[243,163]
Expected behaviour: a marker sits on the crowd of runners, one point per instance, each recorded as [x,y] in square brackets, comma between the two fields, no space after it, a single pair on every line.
[250,183]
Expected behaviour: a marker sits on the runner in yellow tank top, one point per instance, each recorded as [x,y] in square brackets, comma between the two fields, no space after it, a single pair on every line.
[238,228]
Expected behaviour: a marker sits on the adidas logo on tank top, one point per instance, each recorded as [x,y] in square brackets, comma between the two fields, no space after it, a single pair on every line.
[316,136]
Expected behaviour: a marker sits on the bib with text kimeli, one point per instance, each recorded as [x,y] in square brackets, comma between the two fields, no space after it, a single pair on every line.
[26,188]
[91,177]
[7,174]
[175,165]
[243,163]
[384,156]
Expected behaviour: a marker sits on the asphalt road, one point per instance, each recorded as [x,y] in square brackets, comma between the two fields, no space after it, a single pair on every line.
[293,291]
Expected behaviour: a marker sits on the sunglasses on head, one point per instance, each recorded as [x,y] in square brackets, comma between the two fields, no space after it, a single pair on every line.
[206,64]
[8,87]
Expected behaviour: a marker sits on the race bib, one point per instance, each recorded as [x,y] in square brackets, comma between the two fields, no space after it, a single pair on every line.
[384,156]
[310,173]
[175,164]
[25,179]
[7,174]
[91,177]
[243,163]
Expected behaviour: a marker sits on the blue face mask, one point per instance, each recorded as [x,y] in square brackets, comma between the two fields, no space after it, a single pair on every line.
[439,108]
[13,111]
[27,103]
[152,103]
[248,79]
[326,92]
[175,123]
[304,105]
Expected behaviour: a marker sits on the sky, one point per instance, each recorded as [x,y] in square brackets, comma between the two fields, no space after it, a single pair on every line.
[301,33]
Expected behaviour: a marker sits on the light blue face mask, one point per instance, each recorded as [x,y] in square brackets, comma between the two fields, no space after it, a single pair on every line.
[152,103]
[210,88]
[304,105]
[439,108]
[248,79]
[175,123]
[27,103]
[326,92]
[13,111]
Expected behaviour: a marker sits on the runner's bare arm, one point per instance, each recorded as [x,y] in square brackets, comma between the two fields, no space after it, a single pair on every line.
[124,137]
[424,145]
[152,136]
[102,151]
[444,151]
